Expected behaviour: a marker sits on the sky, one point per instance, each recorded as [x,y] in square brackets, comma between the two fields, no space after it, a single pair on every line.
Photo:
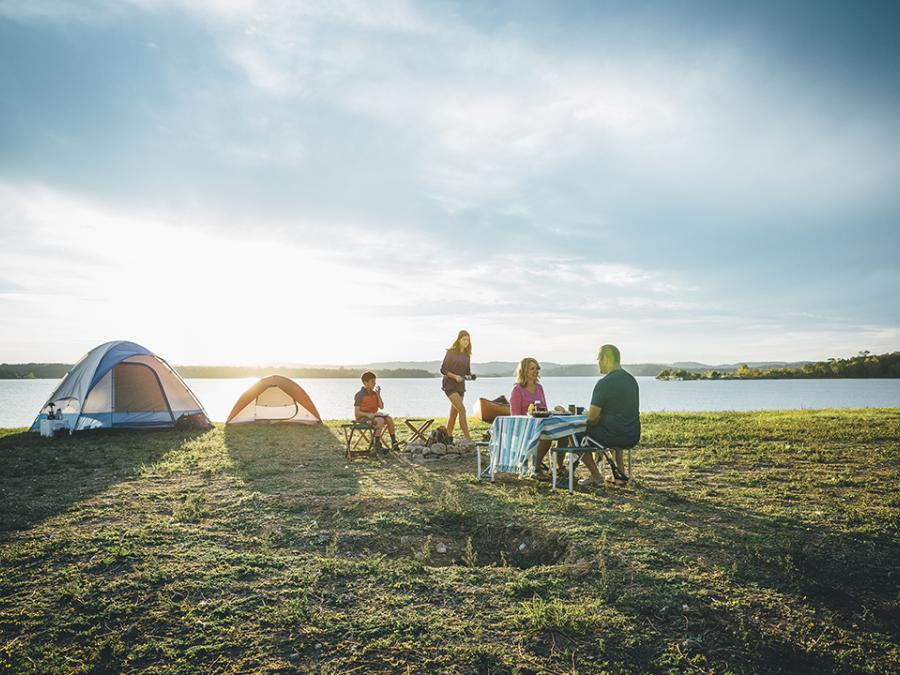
[263,182]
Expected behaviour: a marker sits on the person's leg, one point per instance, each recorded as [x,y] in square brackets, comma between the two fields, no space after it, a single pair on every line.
[459,409]
[389,423]
[543,448]
[588,460]
[377,430]
[561,457]
[619,463]
[451,418]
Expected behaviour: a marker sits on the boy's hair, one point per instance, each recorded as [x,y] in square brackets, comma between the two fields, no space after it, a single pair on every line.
[366,376]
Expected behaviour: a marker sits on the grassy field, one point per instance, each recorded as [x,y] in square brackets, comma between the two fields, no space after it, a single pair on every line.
[749,542]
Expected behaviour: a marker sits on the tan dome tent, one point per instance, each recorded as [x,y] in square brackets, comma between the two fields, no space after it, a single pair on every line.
[274,399]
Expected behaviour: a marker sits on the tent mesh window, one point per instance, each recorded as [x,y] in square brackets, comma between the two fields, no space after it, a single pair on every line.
[275,404]
[137,389]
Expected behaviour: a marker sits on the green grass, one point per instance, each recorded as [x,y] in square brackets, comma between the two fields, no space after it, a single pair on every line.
[749,542]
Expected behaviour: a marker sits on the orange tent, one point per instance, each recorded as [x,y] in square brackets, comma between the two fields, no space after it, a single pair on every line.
[274,399]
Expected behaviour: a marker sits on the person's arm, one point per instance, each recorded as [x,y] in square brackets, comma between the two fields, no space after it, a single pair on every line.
[357,413]
[597,401]
[515,401]
[380,401]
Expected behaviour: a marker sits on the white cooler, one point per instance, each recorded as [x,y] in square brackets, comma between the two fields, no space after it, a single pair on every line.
[49,427]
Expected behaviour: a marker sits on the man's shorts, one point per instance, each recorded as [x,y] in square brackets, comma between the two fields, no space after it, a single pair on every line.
[603,439]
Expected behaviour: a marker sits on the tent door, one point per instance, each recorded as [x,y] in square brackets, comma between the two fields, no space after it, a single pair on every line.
[137,390]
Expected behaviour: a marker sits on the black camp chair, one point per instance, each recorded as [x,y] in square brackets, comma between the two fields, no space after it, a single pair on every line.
[360,438]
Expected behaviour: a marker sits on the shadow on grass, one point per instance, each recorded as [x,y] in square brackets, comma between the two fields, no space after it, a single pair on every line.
[41,477]
[289,459]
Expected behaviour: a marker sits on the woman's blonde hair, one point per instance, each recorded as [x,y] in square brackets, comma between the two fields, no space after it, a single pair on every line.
[455,346]
[522,370]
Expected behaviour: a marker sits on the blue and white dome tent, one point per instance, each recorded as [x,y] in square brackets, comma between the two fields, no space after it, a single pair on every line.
[121,384]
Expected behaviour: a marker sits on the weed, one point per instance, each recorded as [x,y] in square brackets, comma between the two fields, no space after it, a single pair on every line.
[423,555]
[191,510]
[470,557]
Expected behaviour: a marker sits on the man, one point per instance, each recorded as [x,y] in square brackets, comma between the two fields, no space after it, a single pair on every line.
[366,405]
[614,418]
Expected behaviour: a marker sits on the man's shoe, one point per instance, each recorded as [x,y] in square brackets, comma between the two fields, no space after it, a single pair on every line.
[589,482]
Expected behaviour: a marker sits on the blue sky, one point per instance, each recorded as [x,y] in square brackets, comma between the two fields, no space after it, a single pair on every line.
[333,182]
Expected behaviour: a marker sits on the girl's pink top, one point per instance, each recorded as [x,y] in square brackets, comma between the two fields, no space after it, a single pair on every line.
[521,397]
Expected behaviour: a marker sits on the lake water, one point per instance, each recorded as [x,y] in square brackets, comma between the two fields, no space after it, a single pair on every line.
[21,399]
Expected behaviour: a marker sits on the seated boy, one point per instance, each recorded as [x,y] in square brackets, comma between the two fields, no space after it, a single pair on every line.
[366,405]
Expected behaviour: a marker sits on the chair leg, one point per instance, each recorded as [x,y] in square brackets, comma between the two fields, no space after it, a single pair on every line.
[571,473]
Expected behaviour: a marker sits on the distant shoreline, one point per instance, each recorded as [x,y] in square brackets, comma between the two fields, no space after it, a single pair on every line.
[864,365]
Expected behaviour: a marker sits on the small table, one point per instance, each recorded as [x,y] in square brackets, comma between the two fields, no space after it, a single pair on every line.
[514,440]
[418,426]
[50,427]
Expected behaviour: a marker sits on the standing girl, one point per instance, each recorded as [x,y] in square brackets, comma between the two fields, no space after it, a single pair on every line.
[455,369]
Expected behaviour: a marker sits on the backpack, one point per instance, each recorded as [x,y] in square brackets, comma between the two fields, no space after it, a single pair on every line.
[439,435]
[195,422]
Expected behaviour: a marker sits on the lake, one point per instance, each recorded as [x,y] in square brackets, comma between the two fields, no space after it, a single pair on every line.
[21,399]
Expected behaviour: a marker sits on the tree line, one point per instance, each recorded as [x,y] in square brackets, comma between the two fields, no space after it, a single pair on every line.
[863,365]
[54,371]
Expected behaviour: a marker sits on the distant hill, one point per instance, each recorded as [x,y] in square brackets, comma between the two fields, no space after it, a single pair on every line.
[33,371]
[393,369]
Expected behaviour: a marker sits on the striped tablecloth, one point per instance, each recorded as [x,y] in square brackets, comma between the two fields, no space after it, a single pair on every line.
[514,439]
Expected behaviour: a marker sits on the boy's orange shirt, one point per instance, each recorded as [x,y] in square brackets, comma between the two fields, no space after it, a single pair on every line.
[366,400]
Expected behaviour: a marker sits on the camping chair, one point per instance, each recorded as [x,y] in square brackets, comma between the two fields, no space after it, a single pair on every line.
[573,452]
[599,448]
[417,426]
[356,434]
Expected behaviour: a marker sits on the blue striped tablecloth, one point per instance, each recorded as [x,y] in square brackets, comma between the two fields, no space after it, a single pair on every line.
[514,439]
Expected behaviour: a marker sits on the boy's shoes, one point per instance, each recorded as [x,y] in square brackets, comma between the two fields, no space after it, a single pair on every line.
[395,446]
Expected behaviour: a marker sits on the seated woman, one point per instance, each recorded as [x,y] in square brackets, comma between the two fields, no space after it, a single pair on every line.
[526,391]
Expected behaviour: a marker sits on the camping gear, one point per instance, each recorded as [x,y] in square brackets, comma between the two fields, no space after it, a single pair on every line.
[488,411]
[514,440]
[439,435]
[359,438]
[274,399]
[418,426]
[596,446]
[120,384]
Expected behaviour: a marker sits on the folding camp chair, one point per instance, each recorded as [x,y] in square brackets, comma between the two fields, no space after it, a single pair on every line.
[357,434]
[572,453]
[417,426]
[595,446]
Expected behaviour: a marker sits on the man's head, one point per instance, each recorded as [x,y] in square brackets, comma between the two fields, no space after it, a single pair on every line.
[368,379]
[609,358]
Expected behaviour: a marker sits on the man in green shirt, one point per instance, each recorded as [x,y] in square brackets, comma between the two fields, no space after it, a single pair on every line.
[614,418]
